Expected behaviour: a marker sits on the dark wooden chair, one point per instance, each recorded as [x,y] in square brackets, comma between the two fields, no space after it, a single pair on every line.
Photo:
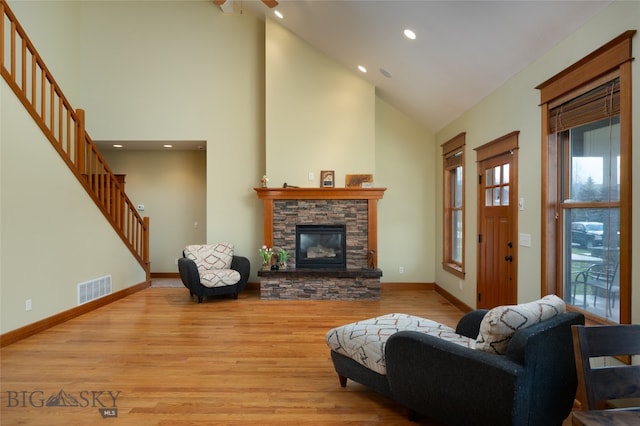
[614,380]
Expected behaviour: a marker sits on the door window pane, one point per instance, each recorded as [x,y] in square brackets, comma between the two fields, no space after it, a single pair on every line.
[505,195]
[497,187]
[490,180]
[496,196]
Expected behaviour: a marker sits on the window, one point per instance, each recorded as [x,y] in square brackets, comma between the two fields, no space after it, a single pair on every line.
[586,114]
[453,179]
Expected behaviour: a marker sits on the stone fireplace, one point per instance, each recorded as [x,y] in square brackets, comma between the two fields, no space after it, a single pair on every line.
[355,209]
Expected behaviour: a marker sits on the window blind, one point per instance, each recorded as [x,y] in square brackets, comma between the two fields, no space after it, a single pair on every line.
[594,105]
[454,160]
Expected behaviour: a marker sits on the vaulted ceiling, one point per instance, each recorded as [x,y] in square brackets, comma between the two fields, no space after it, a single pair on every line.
[463,50]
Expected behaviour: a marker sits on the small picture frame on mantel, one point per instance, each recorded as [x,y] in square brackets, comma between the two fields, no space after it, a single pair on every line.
[327,179]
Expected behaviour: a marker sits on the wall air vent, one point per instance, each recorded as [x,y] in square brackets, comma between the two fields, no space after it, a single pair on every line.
[94,289]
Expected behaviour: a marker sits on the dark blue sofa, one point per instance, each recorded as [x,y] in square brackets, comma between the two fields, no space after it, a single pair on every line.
[534,383]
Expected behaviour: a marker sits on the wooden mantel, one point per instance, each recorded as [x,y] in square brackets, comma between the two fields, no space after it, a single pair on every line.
[372,195]
[320,193]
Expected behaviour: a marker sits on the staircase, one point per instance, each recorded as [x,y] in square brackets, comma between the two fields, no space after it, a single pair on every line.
[25,72]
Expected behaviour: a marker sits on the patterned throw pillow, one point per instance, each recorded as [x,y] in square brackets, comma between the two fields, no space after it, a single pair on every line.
[500,323]
[210,256]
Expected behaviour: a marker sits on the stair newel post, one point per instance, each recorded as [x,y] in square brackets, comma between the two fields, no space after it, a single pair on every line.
[145,246]
[80,159]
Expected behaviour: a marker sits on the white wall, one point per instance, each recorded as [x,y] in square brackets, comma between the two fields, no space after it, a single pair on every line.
[171,185]
[52,235]
[514,106]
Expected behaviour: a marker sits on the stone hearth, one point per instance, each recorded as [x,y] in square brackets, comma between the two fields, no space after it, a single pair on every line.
[320,284]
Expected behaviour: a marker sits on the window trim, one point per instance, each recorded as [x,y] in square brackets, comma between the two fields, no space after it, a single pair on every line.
[450,149]
[613,58]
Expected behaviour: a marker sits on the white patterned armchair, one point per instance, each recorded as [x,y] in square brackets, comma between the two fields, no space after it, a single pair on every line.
[212,270]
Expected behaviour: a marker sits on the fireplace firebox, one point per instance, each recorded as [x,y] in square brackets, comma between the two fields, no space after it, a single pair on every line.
[321,246]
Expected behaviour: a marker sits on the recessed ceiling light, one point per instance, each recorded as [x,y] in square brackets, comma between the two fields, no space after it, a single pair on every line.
[117,145]
[278,14]
[409,34]
[167,145]
[362,69]
[385,72]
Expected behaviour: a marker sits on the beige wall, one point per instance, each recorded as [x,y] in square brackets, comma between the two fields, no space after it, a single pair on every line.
[405,164]
[172,187]
[514,106]
[319,115]
[183,71]
[54,29]
[52,235]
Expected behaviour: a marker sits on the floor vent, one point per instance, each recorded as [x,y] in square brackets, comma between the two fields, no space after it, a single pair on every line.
[94,289]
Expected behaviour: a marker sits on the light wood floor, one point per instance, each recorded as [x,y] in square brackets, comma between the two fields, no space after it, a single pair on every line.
[176,362]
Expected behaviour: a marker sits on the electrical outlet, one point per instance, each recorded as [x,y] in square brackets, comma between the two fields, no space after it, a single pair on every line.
[401,269]
[27,305]
[177,260]
[460,284]
[311,177]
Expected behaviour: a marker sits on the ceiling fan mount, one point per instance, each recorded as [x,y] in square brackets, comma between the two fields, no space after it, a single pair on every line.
[225,5]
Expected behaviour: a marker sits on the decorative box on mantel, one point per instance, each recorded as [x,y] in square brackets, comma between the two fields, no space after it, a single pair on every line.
[357,208]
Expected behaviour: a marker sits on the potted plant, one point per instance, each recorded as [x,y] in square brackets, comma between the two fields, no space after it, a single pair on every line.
[266,254]
[283,256]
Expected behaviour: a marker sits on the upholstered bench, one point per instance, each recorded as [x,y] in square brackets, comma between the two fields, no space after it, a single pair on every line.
[364,341]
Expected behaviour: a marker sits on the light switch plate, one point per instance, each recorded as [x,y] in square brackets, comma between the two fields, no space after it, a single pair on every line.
[525,240]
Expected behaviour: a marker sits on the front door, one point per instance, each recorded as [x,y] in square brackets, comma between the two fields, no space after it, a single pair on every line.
[497,227]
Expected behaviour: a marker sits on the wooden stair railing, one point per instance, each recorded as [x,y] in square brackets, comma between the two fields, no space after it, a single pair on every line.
[25,72]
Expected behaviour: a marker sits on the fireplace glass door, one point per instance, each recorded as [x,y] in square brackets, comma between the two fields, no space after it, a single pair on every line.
[321,246]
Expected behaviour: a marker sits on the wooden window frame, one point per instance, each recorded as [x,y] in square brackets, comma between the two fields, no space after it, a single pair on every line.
[612,59]
[450,150]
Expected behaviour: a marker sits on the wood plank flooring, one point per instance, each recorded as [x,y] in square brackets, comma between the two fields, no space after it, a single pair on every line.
[167,360]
